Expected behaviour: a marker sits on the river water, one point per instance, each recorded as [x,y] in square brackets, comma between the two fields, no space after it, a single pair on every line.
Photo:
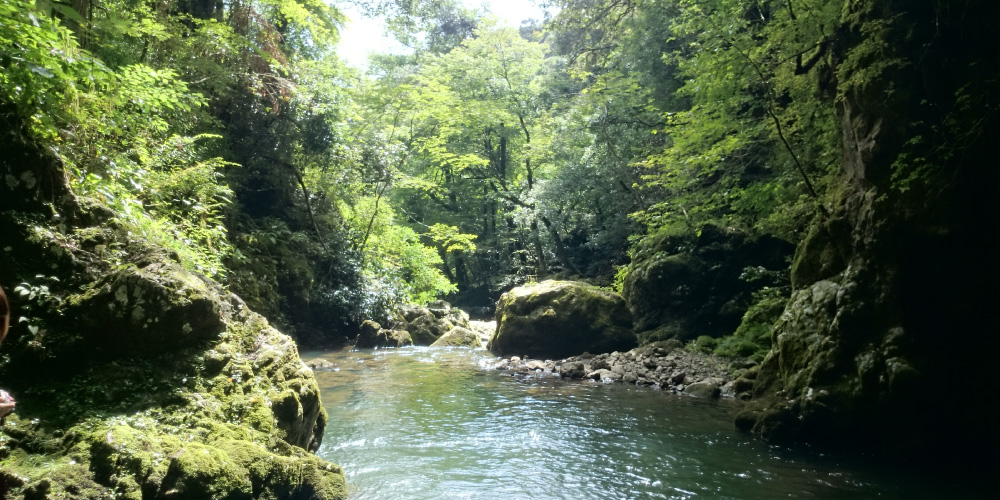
[433,423]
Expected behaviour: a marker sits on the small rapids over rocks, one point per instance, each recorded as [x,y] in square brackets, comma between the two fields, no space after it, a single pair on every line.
[441,423]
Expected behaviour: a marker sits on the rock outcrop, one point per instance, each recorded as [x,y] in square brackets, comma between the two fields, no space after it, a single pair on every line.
[459,337]
[889,339]
[139,379]
[683,287]
[557,319]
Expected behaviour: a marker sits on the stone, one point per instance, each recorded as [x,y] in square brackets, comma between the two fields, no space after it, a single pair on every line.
[558,319]
[603,376]
[412,312]
[320,364]
[373,336]
[426,329]
[703,389]
[574,369]
[536,365]
[459,337]
[159,307]
[368,335]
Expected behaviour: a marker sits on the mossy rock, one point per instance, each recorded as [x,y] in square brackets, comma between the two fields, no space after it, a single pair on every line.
[459,337]
[238,426]
[685,287]
[158,307]
[558,319]
[426,329]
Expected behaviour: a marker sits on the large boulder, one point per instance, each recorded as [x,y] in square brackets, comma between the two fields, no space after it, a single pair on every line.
[159,307]
[558,319]
[685,286]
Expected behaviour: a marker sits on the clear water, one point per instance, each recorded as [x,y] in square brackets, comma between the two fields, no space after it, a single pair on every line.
[431,423]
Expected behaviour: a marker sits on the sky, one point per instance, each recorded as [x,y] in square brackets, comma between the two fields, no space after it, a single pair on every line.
[363,36]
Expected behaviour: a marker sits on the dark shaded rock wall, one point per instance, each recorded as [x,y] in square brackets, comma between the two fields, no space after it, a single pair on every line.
[890,337]
[685,287]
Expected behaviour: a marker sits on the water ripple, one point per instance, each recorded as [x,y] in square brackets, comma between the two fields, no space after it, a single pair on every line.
[431,423]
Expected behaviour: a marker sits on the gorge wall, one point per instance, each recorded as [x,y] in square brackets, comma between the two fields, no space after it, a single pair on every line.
[134,376]
[889,338]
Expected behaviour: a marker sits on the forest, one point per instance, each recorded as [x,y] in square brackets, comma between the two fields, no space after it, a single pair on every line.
[489,156]
[804,184]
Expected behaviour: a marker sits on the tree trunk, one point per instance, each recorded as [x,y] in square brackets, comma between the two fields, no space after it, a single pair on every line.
[541,269]
[561,252]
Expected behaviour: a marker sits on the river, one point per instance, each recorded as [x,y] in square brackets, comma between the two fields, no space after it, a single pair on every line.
[433,423]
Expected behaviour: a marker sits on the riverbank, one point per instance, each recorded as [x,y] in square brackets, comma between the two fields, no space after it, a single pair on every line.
[665,365]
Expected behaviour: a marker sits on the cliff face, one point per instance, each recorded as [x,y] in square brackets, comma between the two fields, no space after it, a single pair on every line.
[136,378]
[889,336]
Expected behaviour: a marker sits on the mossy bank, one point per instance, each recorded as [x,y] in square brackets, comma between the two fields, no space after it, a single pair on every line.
[136,377]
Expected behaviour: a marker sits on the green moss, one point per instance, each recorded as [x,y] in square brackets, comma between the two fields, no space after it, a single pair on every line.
[704,344]
[153,382]
[204,472]
[248,392]
[752,339]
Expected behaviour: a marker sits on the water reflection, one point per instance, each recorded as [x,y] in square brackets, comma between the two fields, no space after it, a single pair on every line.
[430,423]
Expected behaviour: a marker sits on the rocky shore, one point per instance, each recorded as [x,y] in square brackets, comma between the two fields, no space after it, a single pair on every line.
[664,365]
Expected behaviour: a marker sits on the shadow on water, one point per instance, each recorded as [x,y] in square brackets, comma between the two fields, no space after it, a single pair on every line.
[432,423]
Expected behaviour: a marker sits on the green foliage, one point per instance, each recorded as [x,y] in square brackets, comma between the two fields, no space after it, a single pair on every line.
[396,267]
[44,69]
[703,344]
[451,239]
[36,301]
[752,338]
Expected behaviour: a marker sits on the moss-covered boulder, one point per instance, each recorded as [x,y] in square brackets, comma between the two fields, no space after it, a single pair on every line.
[459,337]
[149,309]
[686,286]
[135,377]
[558,319]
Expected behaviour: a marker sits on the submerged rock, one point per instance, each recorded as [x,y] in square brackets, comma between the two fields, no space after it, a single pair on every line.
[556,319]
